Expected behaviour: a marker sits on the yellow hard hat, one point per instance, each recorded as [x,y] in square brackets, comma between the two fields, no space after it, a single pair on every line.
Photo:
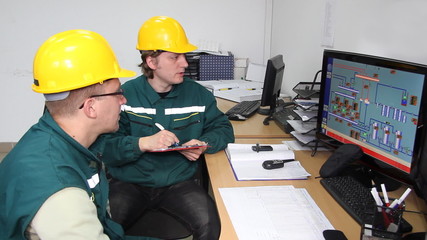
[74,59]
[163,33]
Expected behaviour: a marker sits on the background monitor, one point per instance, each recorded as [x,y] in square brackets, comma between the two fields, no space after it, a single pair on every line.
[272,84]
[378,104]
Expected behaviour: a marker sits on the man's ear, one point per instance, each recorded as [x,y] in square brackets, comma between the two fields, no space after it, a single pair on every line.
[89,108]
[151,62]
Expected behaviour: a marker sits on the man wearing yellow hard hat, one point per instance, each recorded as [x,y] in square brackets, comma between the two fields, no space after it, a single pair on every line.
[163,109]
[51,185]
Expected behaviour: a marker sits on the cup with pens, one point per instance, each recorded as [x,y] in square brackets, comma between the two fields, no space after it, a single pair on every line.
[386,219]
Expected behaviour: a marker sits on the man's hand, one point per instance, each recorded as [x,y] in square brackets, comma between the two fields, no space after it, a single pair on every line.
[162,139]
[193,154]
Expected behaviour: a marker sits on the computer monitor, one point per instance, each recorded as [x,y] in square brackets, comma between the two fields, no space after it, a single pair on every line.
[378,104]
[272,85]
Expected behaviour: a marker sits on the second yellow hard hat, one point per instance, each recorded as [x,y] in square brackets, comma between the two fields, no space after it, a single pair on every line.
[163,33]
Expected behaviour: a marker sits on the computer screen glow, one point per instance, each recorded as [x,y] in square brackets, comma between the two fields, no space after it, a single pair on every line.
[373,106]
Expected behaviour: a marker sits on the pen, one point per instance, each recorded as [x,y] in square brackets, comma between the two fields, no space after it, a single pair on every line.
[397,202]
[404,195]
[386,201]
[223,89]
[377,200]
[159,126]
[376,196]
[251,89]
[393,204]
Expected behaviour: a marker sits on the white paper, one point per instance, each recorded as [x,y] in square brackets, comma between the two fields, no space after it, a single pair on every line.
[240,95]
[256,72]
[304,138]
[301,126]
[253,170]
[307,104]
[274,212]
[247,164]
[296,146]
[244,152]
[329,24]
[306,115]
[234,90]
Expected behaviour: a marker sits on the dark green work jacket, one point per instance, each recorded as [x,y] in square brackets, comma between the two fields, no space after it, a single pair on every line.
[189,111]
[44,161]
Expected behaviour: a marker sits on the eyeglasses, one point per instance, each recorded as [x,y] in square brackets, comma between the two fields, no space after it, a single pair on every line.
[119,92]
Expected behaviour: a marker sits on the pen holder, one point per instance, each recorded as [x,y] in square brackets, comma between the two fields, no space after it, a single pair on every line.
[383,225]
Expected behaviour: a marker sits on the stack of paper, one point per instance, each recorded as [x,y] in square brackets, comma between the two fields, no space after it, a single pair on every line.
[247,164]
[301,126]
[307,104]
[305,139]
[234,90]
[274,212]
[240,95]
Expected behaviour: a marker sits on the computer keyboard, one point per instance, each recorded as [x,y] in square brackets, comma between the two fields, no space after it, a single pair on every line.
[355,198]
[244,108]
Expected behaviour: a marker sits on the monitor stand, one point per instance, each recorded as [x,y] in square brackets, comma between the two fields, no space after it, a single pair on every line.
[268,112]
[264,111]
[276,106]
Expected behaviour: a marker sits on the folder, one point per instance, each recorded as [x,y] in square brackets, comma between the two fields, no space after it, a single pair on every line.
[247,163]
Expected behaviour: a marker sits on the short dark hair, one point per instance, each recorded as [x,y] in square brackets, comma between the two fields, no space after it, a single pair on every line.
[69,105]
[146,70]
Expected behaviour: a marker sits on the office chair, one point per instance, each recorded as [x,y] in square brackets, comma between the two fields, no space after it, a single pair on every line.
[159,224]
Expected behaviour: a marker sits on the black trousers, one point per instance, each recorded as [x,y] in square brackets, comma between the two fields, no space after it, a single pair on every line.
[187,201]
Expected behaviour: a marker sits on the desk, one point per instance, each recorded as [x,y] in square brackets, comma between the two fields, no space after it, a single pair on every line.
[221,175]
[252,127]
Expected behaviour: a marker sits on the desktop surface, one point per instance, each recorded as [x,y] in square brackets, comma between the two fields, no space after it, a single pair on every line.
[253,126]
[221,175]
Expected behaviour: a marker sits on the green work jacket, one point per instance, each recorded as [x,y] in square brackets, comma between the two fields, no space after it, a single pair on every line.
[189,111]
[43,162]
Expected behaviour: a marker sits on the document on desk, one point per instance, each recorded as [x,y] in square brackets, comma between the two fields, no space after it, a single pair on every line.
[309,138]
[247,164]
[274,212]
[301,126]
[234,90]
[240,95]
[306,115]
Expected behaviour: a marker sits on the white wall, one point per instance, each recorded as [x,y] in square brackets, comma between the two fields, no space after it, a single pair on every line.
[389,28]
[238,25]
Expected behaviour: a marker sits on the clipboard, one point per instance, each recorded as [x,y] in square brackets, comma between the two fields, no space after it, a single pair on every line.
[179,147]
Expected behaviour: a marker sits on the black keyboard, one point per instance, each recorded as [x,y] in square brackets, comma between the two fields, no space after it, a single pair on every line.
[244,108]
[355,198]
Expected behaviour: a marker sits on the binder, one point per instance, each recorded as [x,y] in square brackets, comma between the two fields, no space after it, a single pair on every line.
[247,163]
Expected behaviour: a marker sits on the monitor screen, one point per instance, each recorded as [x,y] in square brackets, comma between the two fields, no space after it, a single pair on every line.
[376,103]
[272,84]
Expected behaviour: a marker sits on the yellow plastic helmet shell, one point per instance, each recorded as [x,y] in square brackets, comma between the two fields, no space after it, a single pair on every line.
[163,33]
[74,59]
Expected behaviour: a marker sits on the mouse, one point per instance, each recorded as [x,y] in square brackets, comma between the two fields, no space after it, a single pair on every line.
[272,164]
[236,117]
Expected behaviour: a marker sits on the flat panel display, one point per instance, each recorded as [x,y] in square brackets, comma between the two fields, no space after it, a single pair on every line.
[376,103]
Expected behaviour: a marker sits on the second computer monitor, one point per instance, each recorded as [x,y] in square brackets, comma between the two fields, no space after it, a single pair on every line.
[272,84]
